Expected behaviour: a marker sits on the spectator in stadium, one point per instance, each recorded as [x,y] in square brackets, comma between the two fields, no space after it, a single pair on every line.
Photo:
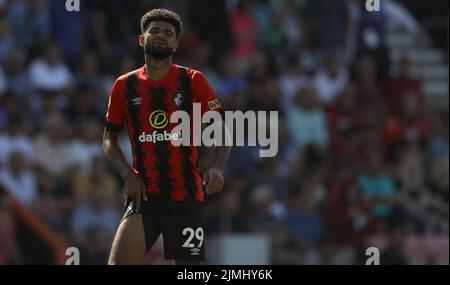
[306,119]
[100,175]
[347,213]
[377,187]
[16,139]
[53,205]
[18,82]
[85,148]
[266,214]
[49,74]
[292,25]
[244,32]
[225,213]
[328,25]
[305,219]
[369,91]
[330,81]
[231,82]
[410,125]
[292,79]
[30,20]
[89,77]
[400,84]
[19,181]
[345,124]
[95,212]
[52,146]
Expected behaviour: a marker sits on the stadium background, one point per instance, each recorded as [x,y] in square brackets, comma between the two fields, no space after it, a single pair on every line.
[363,145]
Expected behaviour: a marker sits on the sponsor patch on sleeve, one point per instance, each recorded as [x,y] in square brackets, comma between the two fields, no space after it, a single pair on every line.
[214,104]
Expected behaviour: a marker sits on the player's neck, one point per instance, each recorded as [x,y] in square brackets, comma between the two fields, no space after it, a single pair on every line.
[156,69]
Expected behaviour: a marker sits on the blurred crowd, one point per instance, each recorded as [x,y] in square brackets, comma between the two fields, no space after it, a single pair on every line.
[361,150]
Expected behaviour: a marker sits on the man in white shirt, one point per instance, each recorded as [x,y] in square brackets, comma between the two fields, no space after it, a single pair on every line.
[18,181]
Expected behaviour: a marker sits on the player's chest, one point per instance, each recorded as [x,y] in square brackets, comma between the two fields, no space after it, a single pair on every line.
[156,105]
[169,99]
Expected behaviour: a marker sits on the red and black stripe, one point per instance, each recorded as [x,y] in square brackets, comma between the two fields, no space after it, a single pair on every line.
[162,152]
[187,151]
[135,127]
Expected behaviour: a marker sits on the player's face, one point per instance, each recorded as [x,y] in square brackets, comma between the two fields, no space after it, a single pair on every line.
[159,40]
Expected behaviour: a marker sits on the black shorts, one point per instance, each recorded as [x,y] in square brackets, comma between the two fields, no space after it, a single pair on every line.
[181,224]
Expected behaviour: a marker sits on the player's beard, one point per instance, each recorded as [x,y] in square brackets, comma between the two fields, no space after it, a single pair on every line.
[158,53]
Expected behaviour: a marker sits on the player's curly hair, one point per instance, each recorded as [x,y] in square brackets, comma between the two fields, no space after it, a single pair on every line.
[162,15]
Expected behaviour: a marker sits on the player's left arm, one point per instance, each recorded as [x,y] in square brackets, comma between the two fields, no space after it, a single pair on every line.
[213,177]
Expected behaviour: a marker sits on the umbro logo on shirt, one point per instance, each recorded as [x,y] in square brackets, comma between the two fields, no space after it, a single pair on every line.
[195,251]
[136,101]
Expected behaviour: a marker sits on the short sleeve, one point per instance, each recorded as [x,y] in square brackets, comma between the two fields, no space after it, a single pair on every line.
[115,116]
[204,94]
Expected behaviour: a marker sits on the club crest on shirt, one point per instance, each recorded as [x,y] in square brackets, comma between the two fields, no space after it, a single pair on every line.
[178,97]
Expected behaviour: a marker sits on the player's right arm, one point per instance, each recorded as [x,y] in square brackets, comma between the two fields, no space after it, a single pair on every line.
[134,187]
[115,119]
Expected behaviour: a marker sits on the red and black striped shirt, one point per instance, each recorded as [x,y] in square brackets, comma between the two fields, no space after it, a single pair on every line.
[145,106]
